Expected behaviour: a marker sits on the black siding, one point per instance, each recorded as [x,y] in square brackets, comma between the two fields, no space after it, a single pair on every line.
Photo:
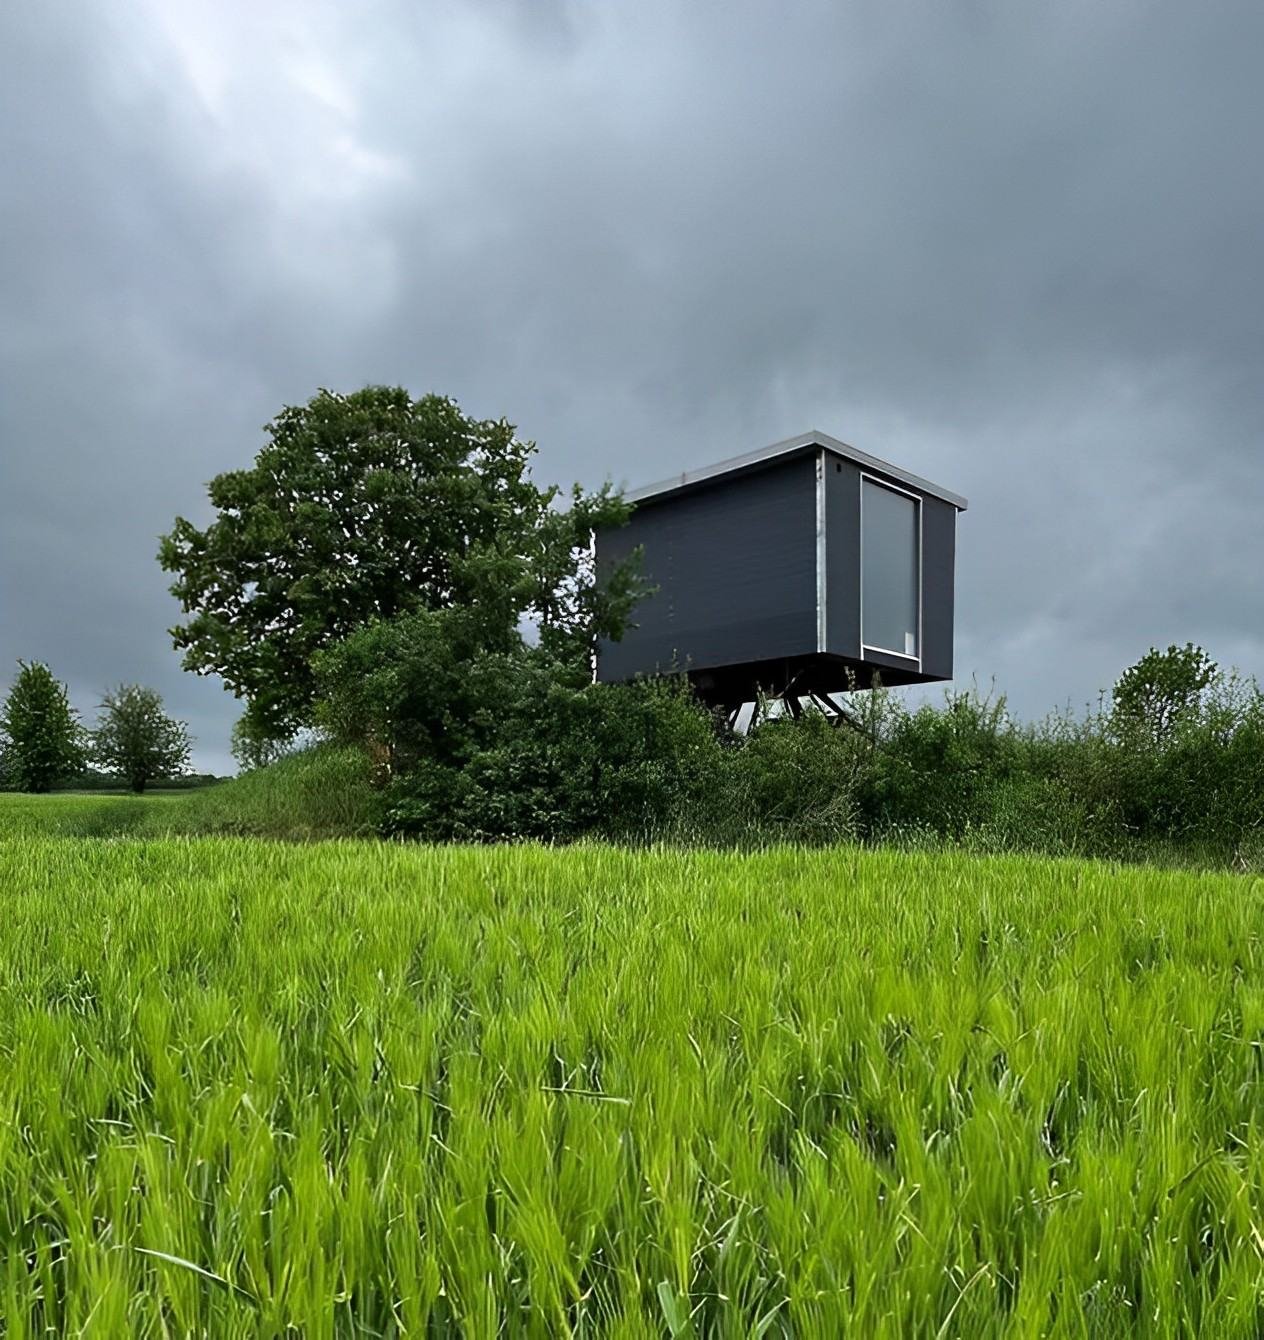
[842,550]
[735,567]
[939,541]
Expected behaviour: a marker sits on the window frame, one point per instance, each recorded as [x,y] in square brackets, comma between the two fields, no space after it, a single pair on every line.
[879,482]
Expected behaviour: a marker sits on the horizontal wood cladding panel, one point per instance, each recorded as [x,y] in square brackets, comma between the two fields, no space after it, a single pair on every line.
[735,568]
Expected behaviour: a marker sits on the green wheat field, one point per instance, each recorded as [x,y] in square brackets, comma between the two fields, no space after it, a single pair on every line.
[357,1089]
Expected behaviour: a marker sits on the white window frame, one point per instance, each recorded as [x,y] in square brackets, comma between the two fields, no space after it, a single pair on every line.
[917,499]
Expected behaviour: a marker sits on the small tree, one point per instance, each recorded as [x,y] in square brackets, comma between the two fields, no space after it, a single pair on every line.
[137,740]
[1163,689]
[43,740]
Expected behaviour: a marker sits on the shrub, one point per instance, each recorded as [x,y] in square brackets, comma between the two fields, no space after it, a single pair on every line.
[475,738]
[940,768]
[794,780]
[476,735]
[553,762]
[1159,694]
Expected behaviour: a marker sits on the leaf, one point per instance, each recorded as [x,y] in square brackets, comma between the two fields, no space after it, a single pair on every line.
[761,1327]
[587,1093]
[674,1313]
[198,1270]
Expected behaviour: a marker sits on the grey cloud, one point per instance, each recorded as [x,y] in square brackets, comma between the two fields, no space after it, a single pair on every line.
[1013,250]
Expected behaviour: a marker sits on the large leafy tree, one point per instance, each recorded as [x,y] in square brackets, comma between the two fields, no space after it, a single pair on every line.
[361,508]
[137,740]
[43,740]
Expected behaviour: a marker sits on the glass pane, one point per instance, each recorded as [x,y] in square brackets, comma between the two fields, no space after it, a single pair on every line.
[890,561]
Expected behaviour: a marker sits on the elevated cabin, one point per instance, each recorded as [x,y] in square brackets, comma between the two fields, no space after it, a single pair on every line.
[802,568]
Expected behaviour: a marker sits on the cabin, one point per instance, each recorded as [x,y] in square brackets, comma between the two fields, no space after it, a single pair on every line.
[800,570]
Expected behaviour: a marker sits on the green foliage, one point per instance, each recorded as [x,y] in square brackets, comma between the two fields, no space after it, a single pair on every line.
[319,792]
[363,507]
[378,1089]
[419,686]
[479,743]
[43,740]
[254,746]
[136,740]
[1205,782]
[500,745]
[790,780]
[940,767]
[1164,689]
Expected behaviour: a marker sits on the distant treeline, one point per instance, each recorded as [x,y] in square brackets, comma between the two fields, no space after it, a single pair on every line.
[98,781]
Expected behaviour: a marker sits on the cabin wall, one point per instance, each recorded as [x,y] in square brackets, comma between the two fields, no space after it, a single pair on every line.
[735,568]
[842,550]
[843,575]
[939,545]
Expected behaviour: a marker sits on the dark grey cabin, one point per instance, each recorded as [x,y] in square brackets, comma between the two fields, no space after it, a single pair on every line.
[798,569]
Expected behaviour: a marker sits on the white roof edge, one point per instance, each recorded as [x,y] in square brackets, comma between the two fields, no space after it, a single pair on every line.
[687,478]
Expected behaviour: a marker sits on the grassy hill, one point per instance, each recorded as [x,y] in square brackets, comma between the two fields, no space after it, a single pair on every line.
[364,1088]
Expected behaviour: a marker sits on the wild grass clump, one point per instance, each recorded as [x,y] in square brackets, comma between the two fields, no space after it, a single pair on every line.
[321,791]
[250,1088]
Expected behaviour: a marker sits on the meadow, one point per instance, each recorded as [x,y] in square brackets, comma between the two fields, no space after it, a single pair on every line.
[365,1088]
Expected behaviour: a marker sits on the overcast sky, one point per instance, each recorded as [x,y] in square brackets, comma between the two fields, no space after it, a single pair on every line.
[1015,249]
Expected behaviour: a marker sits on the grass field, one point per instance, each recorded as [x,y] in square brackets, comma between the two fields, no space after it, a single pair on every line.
[323,792]
[351,1088]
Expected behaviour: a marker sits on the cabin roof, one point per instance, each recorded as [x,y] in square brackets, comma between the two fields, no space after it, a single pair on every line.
[792,446]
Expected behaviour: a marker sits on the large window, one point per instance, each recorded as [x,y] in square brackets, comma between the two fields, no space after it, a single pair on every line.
[890,562]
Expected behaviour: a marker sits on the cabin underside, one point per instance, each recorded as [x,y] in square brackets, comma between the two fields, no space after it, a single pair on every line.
[729,686]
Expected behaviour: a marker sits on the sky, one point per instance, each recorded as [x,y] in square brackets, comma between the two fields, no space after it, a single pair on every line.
[1014,249]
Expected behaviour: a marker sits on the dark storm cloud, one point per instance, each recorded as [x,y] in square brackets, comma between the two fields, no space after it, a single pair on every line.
[1016,252]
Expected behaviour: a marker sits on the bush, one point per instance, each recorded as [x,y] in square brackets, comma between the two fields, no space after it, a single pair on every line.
[480,738]
[1162,692]
[475,735]
[793,780]
[552,762]
[940,768]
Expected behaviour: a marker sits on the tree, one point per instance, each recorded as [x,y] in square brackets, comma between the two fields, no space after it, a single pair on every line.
[1163,689]
[361,508]
[43,738]
[252,747]
[137,740]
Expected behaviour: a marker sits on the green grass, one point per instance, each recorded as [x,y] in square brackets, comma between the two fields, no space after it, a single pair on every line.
[84,814]
[367,1089]
[319,793]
